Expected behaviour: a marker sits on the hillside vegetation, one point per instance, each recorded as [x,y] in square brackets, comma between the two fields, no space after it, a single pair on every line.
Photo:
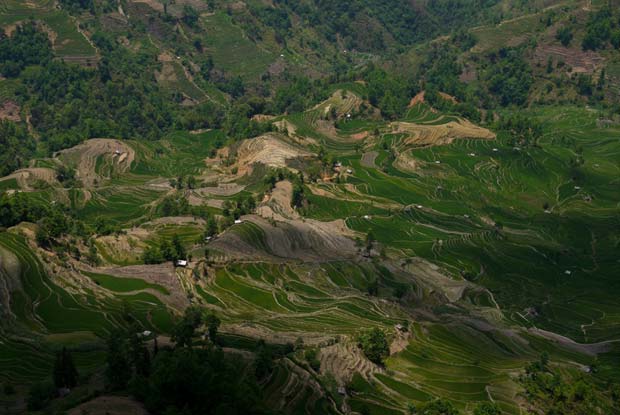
[309,207]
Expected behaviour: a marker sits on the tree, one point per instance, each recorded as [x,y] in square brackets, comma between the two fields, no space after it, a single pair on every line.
[65,374]
[17,147]
[373,286]
[370,240]
[263,365]
[438,407]
[487,408]
[310,355]
[213,324]
[374,345]
[564,35]
[185,330]
[190,15]
[177,248]
[40,395]
[118,369]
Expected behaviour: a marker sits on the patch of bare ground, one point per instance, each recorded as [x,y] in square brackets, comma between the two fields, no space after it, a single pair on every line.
[360,136]
[175,220]
[28,179]
[262,117]
[110,405]
[400,342]
[430,277]
[125,247]
[154,4]
[427,135]
[9,110]
[84,157]
[161,274]
[270,149]
[591,349]
[418,99]
[277,205]
[577,59]
[199,131]
[288,236]
[344,359]
[222,190]
[448,97]
[254,331]
[308,240]
[368,159]
[160,184]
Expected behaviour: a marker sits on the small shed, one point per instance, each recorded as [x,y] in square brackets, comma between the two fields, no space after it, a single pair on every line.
[181,263]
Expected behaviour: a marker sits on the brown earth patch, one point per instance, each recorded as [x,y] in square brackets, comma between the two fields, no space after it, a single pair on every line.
[420,135]
[360,136]
[27,178]
[418,99]
[448,97]
[269,150]
[262,117]
[110,405]
[343,360]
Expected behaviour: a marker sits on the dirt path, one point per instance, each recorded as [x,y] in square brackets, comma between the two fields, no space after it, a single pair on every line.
[110,405]
[591,349]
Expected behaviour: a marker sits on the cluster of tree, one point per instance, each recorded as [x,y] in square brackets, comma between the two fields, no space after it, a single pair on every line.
[298,94]
[564,35]
[389,93]
[17,147]
[555,392]
[178,205]
[603,27]
[69,104]
[374,344]
[165,250]
[276,18]
[374,25]
[26,46]
[509,77]
[523,130]
[64,376]
[466,109]
[242,205]
[78,5]
[183,379]
[53,219]
[445,407]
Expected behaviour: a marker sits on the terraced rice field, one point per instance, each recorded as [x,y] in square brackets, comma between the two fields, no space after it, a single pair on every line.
[55,313]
